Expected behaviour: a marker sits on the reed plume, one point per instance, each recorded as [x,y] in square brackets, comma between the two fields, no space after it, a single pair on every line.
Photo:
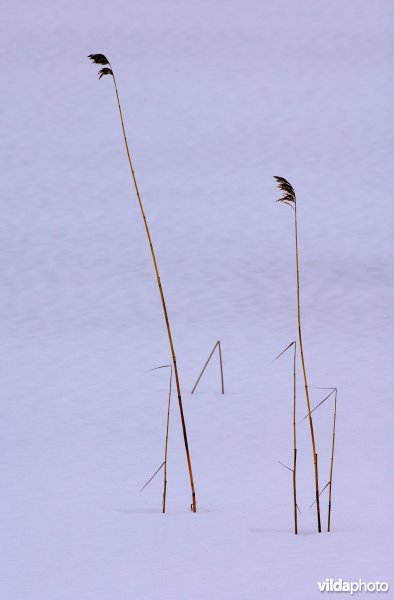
[100,59]
[289,198]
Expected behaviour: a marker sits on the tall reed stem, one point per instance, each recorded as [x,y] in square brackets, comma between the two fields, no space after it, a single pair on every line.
[304,372]
[163,302]
[102,60]
[290,199]
[332,462]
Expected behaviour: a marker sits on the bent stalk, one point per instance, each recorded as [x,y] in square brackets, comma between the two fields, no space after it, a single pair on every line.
[102,60]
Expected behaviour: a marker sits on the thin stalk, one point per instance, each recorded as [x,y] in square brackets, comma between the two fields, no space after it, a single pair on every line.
[294,469]
[318,405]
[285,466]
[332,462]
[101,59]
[166,444]
[221,365]
[304,373]
[163,302]
[295,440]
[206,364]
[167,430]
[325,487]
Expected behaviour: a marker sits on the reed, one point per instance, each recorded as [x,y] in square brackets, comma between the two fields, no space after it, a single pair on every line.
[332,461]
[164,464]
[294,470]
[290,199]
[166,442]
[217,345]
[334,391]
[100,59]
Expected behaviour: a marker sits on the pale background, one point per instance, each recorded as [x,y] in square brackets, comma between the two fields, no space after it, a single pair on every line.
[218,97]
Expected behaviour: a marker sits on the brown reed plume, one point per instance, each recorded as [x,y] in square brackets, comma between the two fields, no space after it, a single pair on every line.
[100,59]
[217,345]
[289,198]
[294,469]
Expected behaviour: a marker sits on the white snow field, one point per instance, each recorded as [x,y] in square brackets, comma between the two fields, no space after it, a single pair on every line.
[218,97]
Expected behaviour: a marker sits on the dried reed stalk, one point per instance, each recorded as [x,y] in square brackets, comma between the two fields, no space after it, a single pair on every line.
[100,59]
[167,429]
[166,444]
[332,461]
[334,392]
[289,198]
[294,470]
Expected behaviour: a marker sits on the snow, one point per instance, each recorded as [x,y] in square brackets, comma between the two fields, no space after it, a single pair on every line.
[217,98]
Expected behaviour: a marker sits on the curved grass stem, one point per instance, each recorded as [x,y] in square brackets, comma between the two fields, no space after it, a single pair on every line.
[102,60]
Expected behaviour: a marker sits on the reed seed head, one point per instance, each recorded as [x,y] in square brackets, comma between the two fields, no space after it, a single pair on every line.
[104,71]
[289,196]
[99,59]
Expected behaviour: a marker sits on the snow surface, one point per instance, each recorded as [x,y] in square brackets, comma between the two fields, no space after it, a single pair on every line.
[218,97]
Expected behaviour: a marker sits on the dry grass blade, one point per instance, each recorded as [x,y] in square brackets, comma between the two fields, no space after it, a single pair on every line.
[283,351]
[153,476]
[103,60]
[155,368]
[322,388]
[217,345]
[317,406]
[285,466]
[325,487]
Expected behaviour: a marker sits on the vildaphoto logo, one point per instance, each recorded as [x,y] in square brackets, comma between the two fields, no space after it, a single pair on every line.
[352,587]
